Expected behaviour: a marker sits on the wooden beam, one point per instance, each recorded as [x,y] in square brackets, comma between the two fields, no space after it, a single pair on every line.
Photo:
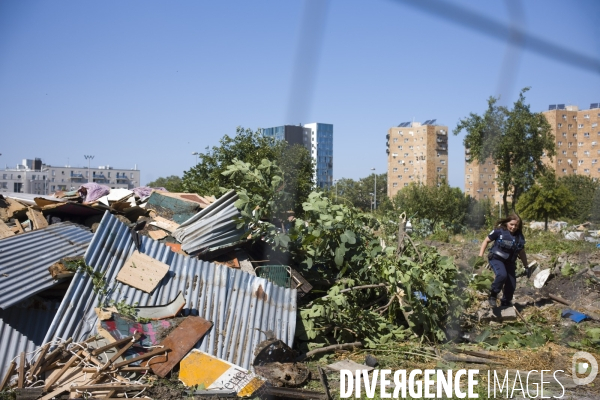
[63,370]
[133,338]
[40,359]
[5,231]
[9,372]
[21,370]
[145,356]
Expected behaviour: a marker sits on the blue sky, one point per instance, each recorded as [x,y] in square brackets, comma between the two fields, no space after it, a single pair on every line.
[147,83]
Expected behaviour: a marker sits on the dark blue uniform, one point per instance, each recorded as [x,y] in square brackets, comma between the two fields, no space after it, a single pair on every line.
[503,257]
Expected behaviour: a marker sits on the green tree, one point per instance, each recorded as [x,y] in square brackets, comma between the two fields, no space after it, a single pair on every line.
[432,204]
[546,199]
[583,189]
[172,183]
[515,139]
[359,193]
[206,177]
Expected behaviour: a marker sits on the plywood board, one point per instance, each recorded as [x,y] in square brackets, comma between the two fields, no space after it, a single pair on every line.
[142,272]
[165,224]
[157,235]
[181,340]
[5,231]
[37,217]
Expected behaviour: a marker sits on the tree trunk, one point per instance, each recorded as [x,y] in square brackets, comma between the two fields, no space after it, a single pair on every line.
[546,223]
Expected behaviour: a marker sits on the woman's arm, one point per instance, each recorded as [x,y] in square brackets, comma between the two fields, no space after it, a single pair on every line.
[483,246]
[523,257]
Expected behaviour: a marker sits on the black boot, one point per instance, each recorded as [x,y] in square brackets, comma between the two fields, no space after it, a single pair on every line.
[492,300]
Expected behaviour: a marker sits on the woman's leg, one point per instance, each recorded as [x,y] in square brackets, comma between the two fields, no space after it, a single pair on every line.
[501,275]
[510,285]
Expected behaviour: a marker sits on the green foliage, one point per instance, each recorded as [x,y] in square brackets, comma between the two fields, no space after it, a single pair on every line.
[554,243]
[515,139]
[483,281]
[172,183]
[359,193]
[582,188]
[433,204]
[515,336]
[206,178]
[548,199]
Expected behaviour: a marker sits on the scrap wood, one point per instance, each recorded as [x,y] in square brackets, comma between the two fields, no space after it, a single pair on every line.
[9,372]
[329,348]
[289,393]
[142,272]
[164,223]
[21,376]
[40,359]
[323,379]
[141,357]
[116,387]
[467,359]
[129,339]
[19,226]
[69,363]
[5,231]
[478,353]
[37,218]
[180,341]
[157,235]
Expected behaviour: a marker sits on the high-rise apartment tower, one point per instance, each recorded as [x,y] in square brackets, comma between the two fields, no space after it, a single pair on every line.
[417,152]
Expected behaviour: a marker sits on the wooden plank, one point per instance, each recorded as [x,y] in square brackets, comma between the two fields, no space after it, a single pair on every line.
[19,226]
[181,340]
[142,272]
[133,338]
[37,217]
[157,235]
[164,223]
[5,231]
[39,360]
[64,369]
[21,371]
[144,356]
[120,388]
[9,372]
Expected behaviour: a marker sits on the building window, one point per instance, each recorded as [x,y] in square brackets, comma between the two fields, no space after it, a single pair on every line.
[443,162]
[564,152]
[395,184]
[570,144]
[405,169]
[586,134]
[399,176]
[586,116]
[579,162]
[569,126]
[587,153]
[406,184]
[439,169]
[400,147]
[395,140]
[560,125]
[560,144]
[564,134]
[580,144]
[564,170]
[587,171]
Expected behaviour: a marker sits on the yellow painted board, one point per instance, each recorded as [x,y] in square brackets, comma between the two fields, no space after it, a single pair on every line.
[199,368]
[142,272]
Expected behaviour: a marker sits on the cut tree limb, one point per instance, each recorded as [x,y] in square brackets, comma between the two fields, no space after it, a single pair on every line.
[329,348]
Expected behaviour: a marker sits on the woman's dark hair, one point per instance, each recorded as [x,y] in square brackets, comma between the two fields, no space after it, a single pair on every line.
[511,217]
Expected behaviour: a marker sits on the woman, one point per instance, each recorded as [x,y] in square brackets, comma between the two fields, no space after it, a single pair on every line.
[509,243]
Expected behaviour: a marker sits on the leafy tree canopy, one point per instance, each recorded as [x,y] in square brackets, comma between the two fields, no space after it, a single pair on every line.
[172,183]
[359,193]
[546,199]
[433,204]
[583,189]
[206,178]
[515,139]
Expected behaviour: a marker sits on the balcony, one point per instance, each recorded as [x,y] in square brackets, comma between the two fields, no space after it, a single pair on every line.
[442,132]
[468,158]
[441,148]
[387,136]
[467,151]
[442,140]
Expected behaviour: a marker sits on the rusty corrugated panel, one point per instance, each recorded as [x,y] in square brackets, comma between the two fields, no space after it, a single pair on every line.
[25,258]
[22,328]
[241,306]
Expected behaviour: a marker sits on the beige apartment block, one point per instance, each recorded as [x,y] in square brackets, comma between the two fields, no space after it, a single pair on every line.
[577,138]
[480,179]
[417,152]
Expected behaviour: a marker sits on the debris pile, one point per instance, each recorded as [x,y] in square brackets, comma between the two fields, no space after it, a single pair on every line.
[103,293]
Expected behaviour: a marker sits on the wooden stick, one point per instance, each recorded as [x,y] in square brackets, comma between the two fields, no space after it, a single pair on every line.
[39,360]
[119,388]
[21,370]
[64,369]
[142,357]
[323,379]
[329,348]
[113,358]
[133,338]
[9,372]
[522,319]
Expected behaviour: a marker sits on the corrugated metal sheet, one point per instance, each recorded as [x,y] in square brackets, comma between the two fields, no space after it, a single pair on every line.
[23,329]
[212,227]
[25,258]
[241,306]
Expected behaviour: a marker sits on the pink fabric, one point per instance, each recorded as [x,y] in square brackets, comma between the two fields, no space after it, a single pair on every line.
[92,191]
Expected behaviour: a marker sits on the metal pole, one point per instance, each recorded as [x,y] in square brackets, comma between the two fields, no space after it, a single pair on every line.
[89,158]
[374,191]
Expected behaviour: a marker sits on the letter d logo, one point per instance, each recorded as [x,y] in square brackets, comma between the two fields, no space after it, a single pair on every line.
[579,367]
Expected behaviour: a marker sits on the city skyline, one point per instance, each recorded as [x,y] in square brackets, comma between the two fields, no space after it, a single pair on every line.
[171,79]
